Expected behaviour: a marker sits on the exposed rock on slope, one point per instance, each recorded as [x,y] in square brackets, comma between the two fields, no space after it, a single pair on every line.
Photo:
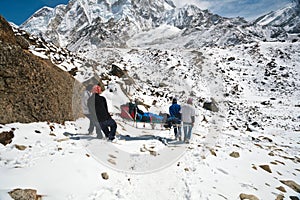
[31,89]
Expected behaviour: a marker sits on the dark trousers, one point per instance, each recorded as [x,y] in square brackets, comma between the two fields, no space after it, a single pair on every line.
[175,122]
[109,128]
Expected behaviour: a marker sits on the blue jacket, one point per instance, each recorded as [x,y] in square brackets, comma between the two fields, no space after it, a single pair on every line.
[174,110]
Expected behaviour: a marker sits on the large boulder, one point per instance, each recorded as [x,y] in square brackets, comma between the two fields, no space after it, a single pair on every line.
[31,88]
[6,137]
[24,194]
[211,105]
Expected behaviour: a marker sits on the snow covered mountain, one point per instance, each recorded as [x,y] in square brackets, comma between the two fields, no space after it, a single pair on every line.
[287,18]
[111,21]
[87,24]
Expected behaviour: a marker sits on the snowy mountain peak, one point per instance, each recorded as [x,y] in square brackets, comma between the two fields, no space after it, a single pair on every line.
[65,24]
[90,24]
[287,18]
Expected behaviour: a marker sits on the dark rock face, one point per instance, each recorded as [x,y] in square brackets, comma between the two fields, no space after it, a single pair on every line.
[212,106]
[31,89]
[6,137]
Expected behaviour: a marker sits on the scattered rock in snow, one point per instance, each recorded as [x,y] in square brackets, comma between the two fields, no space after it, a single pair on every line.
[112,161]
[52,127]
[235,154]
[212,152]
[294,198]
[292,184]
[248,129]
[112,156]
[6,137]
[24,194]
[280,162]
[231,58]
[265,138]
[212,106]
[266,168]
[20,147]
[153,153]
[104,175]
[271,154]
[62,140]
[248,197]
[279,197]
[117,71]
[281,188]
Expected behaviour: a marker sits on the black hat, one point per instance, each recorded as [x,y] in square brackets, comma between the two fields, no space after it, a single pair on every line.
[174,101]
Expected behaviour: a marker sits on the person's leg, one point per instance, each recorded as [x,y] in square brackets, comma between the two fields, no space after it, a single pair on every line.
[113,129]
[91,125]
[104,127]
[190,127]
[179,131]
[98,130]
[175,131]
[185,130]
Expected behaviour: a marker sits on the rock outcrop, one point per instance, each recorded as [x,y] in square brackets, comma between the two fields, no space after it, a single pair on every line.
[31,88]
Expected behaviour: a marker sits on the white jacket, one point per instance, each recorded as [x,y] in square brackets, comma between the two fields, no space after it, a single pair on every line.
[84,100]
[187,111]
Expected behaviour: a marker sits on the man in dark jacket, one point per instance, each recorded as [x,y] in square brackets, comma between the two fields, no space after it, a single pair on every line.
[175,118]
[98,106]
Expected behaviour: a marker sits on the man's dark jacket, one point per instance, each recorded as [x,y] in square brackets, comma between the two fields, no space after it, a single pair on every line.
[98,107]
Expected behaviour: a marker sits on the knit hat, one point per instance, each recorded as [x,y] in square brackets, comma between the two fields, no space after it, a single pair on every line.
[96,89]
[174,101]
[190,101]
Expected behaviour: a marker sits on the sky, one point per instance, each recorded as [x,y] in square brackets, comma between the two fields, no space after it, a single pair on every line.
[17,11]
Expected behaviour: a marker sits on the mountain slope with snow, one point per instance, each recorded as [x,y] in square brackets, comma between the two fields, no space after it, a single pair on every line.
[249,147]
[86,24]
[95,20]
[288,18]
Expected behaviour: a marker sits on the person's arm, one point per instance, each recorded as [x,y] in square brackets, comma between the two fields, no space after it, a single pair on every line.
[105,104]
[193,120]
[193,116]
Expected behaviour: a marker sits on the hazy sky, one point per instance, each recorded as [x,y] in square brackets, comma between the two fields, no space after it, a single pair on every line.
[17,11]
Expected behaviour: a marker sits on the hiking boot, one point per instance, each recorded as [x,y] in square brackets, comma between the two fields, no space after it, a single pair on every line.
[113,140]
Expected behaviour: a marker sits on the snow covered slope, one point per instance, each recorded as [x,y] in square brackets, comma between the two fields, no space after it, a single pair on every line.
[249,147]
[87,24]
[287,18]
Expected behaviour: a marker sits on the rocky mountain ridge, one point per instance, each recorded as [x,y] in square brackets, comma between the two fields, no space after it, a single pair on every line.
[32,88]
[87,24]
